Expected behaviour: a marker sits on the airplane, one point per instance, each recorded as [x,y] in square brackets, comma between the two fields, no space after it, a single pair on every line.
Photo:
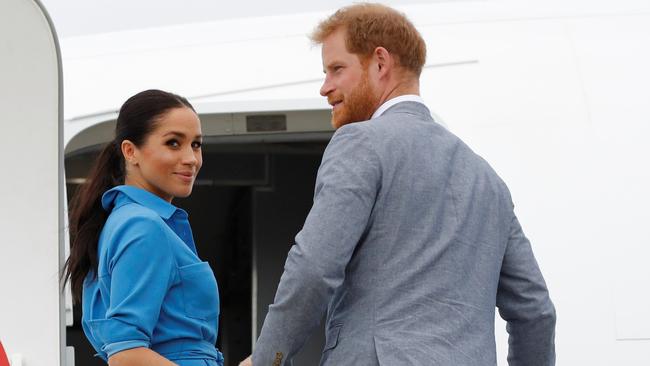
[553,94]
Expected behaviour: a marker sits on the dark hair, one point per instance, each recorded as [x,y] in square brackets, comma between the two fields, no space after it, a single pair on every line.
[368,26]
[137,118]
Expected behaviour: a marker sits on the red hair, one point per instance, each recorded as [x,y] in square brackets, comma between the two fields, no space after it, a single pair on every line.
[368,26]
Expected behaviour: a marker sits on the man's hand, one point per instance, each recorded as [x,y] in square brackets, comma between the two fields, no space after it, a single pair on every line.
[247,362]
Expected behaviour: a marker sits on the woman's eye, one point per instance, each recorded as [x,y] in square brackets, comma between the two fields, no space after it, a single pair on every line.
[196,145]
[173,143]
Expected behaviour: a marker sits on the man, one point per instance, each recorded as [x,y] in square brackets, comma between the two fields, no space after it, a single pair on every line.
[412,241]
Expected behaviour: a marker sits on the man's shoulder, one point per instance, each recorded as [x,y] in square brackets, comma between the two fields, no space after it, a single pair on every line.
[355,131]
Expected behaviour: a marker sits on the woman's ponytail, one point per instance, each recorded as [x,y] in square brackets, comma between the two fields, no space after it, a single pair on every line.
[87,217]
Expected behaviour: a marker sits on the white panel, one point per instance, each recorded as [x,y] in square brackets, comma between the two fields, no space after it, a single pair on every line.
[615,69]
[30,317]
[632,353]
[69,356]
[193,70]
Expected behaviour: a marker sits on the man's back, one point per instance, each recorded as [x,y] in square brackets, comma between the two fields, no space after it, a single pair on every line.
[412,242]
[421,286]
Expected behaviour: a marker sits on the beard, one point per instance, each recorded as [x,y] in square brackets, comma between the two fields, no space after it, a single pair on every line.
[358,106]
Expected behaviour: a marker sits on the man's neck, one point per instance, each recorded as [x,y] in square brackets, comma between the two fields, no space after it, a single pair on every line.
[400,88]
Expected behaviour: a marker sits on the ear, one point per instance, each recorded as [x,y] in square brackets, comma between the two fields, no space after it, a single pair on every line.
[130,152]
[384,61]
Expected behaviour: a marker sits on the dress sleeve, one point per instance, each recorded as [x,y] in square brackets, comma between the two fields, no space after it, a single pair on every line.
[141,268]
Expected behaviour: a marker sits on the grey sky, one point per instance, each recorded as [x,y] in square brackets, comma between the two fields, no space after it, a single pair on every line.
[79,17]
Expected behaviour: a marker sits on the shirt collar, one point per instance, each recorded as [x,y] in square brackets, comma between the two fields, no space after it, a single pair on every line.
[141,196]
[391,102]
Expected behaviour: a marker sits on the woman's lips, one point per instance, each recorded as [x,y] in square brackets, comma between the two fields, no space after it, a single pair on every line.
[185,177]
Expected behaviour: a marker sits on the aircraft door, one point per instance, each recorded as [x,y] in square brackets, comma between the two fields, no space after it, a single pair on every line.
[31,214]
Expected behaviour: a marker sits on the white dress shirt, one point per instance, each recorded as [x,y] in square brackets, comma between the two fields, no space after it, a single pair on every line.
[391,102]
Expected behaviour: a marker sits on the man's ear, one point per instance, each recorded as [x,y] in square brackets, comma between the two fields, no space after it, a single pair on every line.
[130,152]
[385,61]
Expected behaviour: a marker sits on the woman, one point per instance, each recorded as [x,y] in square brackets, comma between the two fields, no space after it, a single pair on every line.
[147,298]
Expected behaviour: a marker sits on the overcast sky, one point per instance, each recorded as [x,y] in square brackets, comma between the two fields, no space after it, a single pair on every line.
[80,17]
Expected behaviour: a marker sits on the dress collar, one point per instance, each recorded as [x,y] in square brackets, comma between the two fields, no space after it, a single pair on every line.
[141,196]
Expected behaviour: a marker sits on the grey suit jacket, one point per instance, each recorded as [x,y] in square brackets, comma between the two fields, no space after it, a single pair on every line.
[410,246]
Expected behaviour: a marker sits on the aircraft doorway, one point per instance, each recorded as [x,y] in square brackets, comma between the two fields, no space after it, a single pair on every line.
[249,202]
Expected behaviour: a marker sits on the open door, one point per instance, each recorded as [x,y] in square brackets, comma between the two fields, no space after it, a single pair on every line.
[31,187]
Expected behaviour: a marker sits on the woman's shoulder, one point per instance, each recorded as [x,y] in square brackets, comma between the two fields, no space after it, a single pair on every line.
[133,213]
[132,226]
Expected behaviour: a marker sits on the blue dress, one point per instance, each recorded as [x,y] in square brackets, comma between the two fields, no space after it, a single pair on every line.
[151,288]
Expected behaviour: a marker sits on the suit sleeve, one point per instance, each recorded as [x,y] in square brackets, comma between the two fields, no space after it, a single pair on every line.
[346,189]
[524,303]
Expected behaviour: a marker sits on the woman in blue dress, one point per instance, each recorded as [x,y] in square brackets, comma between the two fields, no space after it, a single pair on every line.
[147,298]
